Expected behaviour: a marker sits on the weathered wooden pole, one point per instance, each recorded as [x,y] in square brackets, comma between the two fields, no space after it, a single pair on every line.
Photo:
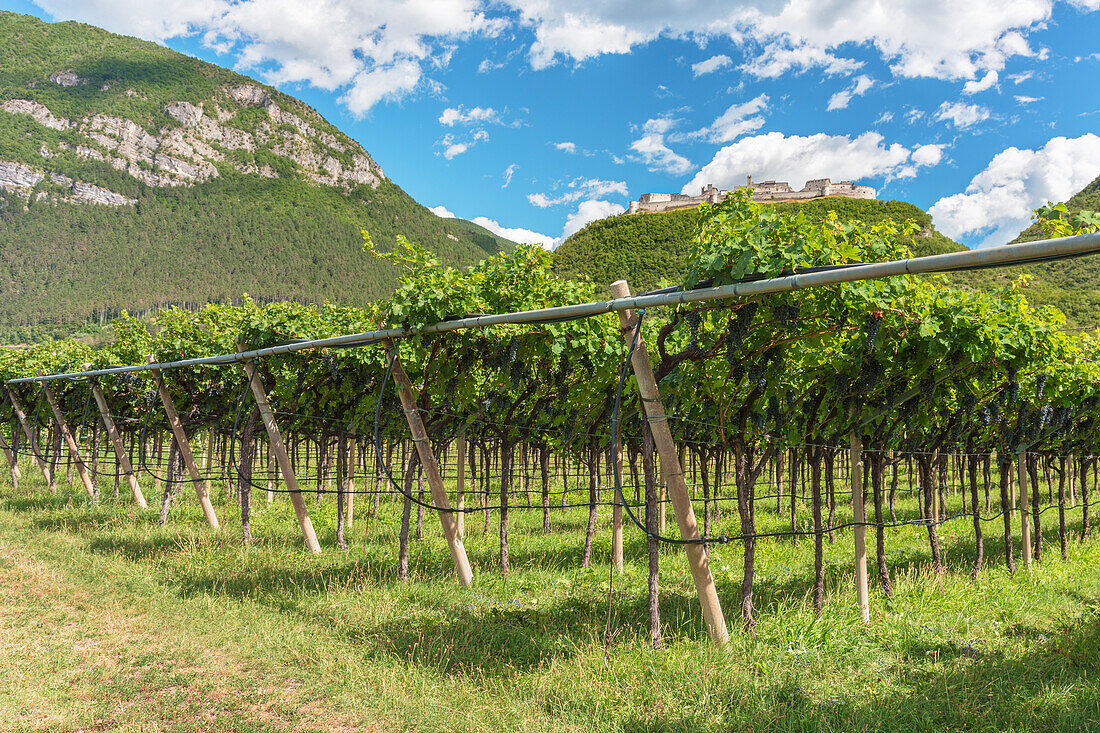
[617,514]
[431,468]
[859,517]
[349,486]
[1025,514]
[674,474]
[116,441]
[22,417]
[460,487]
[13,459]
[70,442]
[202,487]
[279,449]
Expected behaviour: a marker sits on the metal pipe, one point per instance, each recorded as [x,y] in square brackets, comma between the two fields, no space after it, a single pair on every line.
[1004,255]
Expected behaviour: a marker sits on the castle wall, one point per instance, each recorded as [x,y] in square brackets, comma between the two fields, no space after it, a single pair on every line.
[770,191]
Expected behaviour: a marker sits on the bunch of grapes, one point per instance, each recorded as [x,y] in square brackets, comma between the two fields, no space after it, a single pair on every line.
[784,313]
[738,328]
[331,365]
[1040,385]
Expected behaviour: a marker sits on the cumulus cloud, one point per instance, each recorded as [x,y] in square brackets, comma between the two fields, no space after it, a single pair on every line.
[372,52]
[442,212]
[455,149]
[452,116]
[587,212]
[980,85]
[567,147]
[736,121]
[798,158]
[859,87]
[516,234]
[342,44]
[998,203]
[709,66]
[961,115]
[652,150]
[577,189]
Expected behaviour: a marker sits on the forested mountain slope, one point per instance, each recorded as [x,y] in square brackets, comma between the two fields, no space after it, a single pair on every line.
[132,176]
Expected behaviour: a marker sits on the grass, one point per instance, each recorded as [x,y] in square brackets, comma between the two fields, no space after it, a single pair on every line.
[113,623]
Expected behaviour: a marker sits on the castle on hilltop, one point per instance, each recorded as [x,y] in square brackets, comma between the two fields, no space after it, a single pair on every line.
[766,191]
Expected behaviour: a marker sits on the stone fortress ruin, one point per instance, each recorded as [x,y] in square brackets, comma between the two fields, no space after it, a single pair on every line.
[766,191]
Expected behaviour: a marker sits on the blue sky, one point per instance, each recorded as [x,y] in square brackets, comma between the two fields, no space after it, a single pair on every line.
[534,117]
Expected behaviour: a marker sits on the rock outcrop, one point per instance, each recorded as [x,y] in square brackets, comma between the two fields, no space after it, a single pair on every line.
[22,179]
[190,152]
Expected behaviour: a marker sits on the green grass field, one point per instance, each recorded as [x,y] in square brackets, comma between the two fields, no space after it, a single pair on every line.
[112,623]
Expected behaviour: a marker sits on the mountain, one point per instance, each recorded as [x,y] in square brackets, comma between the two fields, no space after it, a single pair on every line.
[132,177]
[651,249]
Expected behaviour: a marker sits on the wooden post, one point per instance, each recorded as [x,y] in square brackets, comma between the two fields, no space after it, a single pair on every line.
[349,487]
[1025,514]
[202,487]
[30,437]
[431,468]
[617,515]
[460,487]
[859,516]
[70,442]
[674,475]
[116,441]
[279,449]
[13,459]
[270,474]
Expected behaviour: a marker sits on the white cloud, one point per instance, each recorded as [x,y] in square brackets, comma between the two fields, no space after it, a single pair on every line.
[508,173]
[577,189]
[980,85]
[382,83]
[455,149]
[452,116]
[859,87]
[709,66]
[1021,99]
[998,203]
[371,52]
[960,114]
[442,212]
[734,122]
[654,153]
[1021,77]
[517,234]
[567,147]
[885,117]
[779,58]
[797,158]
[587,212]
[925,155]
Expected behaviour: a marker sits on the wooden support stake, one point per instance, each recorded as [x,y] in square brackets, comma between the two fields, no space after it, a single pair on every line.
[202,487]
[349,487]
[859,516]
[70,442]
[431,468]
[13,459]
[45,469]
[617,516]
[460,492]
[1025,514]
[116,441]
[279,449]
[673,474]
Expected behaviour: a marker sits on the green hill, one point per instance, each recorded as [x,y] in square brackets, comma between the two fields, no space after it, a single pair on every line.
[651,249]
[133,177]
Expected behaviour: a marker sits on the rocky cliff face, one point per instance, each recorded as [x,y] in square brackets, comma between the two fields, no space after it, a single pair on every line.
[209,136]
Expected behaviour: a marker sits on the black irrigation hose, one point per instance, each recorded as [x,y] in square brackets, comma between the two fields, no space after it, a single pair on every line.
[144,467]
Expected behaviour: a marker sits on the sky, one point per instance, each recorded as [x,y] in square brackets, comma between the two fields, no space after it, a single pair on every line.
[535,117]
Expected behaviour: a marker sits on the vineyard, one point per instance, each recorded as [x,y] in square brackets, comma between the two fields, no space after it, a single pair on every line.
[969,423]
